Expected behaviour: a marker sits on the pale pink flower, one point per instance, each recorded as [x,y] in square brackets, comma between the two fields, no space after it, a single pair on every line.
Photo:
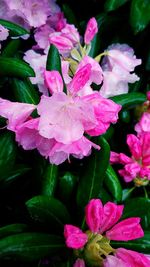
[136,166]
[79,263]
[91,30]
[3,33]
[38,63]
[65,71]
[71,33]
[42,35]
[143,126]
[113,261]
[118,67]
[15,112]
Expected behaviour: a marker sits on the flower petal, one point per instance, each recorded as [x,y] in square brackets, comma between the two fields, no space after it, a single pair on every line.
[94,214]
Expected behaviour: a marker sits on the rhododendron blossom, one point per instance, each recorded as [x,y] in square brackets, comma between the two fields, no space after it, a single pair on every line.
[63,119]
[94,245]
[137,167]
[91,30]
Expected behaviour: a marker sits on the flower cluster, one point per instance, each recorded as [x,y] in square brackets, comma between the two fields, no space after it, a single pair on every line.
[63,118]
[94,247]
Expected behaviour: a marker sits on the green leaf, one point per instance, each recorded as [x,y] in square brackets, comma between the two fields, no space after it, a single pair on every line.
[67,184]
[13,67]
[69,15]
[7,153]
[138,207]
[48,210]
[24,91]
[53,59]
[111,5]
[126,193]
[129,100]
[140,244]
[12,229]
[93,176]
[113,184]
[95,45]
[104,196]
[124,116]
[30,246]
[11,49]
[14,29]
[139,14]
[13,174]
[49,180]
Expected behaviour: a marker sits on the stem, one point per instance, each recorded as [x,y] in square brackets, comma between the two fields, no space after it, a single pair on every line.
[145,192]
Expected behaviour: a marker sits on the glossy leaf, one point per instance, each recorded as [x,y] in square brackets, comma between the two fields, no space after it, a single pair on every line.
[24,91]
[11,49]
[138,207]
[49,180]
[113,184]
[7,153]
[129,100]
[141,244]
[13,67]
[48,210]
[139,14]
[111,5]
[30,246]
[13,174]
[67,184]
[12,229]
[14,29]
[93,176]
[53,59]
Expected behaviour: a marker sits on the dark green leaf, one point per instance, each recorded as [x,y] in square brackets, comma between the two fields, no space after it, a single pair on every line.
[49,180]
[138,207]
[139,14]
[14,29]
[30,246]
[124,116]
[48,210]
[7,153]
[113,184]
[126,193]
[95,46]
[53,59]
[104,196]
[13,174]
[24,91]
[13,67]
[67,184]
[69,15]
[129,100]
[12,229]
[93,176]
[111,5]
[141,244]
[11,49]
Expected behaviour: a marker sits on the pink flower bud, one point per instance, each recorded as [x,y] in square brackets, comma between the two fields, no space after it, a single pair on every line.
[148,95]
[53,81]
[62,43]
[94,214]
[80,79]
[91,30]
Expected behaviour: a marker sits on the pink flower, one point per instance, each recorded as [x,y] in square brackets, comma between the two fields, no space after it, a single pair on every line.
[143,126]
[41,35]
[105,110]
[3,33]
[75,238]
[137,166]
[15,112]
[70,32]
[38,63]
[118,67]
[91,30]
[102,220]
[79,263]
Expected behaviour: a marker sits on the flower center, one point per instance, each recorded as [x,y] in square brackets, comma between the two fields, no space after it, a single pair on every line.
[96,250]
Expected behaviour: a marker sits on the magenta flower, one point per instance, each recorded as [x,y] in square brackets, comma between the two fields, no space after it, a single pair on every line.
[143,126]
[79,263]
[94,245]
[136,167]
[91,30]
